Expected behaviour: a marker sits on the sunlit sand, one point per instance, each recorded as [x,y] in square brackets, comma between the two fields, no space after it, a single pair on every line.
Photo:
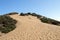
[31,28]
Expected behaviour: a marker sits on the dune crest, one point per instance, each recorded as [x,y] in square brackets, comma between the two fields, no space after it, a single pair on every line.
[31,28]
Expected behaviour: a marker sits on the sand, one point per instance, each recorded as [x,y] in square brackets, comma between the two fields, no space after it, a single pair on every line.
[31,28]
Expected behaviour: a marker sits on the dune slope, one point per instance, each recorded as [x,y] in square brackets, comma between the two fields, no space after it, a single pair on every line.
[31,28]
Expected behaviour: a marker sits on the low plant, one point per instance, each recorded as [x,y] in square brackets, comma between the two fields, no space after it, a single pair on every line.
[7,24]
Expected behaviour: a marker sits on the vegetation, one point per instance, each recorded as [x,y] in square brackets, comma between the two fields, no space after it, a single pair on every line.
[43,19]
[12,13]
[50,21]
[25,14]
[22,14]
[7,24]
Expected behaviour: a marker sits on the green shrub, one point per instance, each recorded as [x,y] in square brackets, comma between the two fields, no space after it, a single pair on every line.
[44,19]
[7,24]
[12,13]
[55,22]
[25,14]
[29,13]
[22,14]
[34,14]
[50,21]
[39,16]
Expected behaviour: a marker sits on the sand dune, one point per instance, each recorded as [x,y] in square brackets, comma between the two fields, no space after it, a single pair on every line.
[31,28]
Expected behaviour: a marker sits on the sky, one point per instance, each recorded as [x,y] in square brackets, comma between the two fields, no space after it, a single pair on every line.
[48,8]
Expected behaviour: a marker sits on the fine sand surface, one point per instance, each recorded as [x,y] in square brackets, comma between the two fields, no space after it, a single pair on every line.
[31,28]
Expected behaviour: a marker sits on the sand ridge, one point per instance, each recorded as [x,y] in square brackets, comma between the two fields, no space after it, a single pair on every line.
[31,28]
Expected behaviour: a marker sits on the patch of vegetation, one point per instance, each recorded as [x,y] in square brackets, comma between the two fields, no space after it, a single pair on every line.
[33,14]
[22,14]
[50,21]
[25,14]
[7,24]
[42,18]
[12,13]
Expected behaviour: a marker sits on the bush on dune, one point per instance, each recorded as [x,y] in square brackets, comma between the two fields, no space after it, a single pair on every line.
[25,14]
[22,14]
[42,18]
[50,21]
[7,24]
[12,13]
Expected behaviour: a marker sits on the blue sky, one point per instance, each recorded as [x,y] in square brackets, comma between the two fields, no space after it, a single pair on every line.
[48,8]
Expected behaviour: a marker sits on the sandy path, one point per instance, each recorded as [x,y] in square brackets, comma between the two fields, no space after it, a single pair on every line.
[30,28]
